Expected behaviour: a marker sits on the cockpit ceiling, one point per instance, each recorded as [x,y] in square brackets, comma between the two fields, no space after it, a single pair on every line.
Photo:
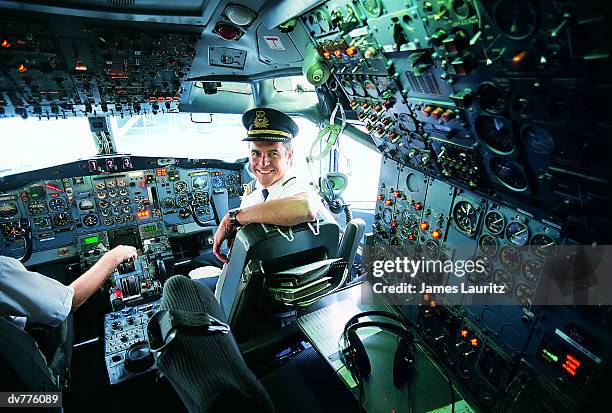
[60,63]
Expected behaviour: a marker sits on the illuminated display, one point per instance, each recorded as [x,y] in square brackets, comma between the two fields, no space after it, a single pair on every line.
[143,214]
[550,355]
[150,228]
[91,240]
[571,364]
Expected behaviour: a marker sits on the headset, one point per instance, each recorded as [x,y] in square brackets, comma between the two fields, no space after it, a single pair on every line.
[355,357]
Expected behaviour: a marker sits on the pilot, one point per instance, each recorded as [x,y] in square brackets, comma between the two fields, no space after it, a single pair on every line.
[278,196]
[42,299]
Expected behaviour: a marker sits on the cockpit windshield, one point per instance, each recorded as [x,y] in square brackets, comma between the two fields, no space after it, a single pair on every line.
[181,135]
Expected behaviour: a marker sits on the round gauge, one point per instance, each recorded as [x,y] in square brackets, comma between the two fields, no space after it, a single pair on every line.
[182,201]
[112,193]
[523,106]
[371,89]
[10,229]
[494,222]
[90,220]
[201,197]
[488,245]
[118,220]
[180,187]
[111,184]
[487,267]
[184,213]
[323,20]
[8,210]
[37,207]
[358,88]
[346,85]
[167,203]
[406,123]
[517,233]
[123,192]
[42,222]
[62,219]
[106,221]
[105,212]
[116,211]
[138,199]
[372,7]
[100,185]
[121,182]
[57,204]
[516,19]
[490,98]
[86,204]
[496,133]
[524,294]
[531,270]
[101,195]
[510,257]
[217,181]
[465,216]
[115,202]
[538,140]
[544,246]
[508,174]
[200,183]
[432,249]
[407,220]
[103,204]
[502,277]
[125,201]
[128,218]
[462,9]
[387,216]
[127,210]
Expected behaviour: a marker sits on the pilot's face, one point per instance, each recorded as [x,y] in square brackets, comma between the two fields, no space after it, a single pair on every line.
[270,161]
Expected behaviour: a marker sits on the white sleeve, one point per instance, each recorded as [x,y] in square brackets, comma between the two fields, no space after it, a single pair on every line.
[294,186]
[30,294]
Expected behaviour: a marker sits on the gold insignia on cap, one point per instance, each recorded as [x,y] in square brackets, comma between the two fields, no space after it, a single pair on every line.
[261,121]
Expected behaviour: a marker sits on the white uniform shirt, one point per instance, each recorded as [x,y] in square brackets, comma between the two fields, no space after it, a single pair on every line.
[29,294]
[288,186]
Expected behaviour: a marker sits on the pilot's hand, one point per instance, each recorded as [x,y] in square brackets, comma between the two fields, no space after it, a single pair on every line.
[225,232]
[123,253]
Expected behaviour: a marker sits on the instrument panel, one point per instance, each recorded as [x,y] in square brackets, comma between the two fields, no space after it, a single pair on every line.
[57,211]
[482,111]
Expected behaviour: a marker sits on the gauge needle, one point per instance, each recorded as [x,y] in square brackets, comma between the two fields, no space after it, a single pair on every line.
[520,232]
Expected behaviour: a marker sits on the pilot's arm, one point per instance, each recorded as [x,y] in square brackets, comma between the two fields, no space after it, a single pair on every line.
[92,279]
[25,293]
[288,211]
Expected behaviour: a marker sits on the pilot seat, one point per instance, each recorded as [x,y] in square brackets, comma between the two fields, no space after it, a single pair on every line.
[272,270]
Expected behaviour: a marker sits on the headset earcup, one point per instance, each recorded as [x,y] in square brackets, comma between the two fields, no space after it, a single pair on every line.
[403,363]
[362,361]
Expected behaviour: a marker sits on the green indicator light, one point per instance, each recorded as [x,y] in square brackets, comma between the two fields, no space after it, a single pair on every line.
[550,355]
[91,240]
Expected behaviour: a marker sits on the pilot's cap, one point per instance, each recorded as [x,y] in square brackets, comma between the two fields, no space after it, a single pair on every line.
[268,125]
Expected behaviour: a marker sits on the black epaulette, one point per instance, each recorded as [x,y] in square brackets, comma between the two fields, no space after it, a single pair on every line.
[293,177]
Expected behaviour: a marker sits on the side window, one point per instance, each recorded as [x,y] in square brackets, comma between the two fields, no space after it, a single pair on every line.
[362,165]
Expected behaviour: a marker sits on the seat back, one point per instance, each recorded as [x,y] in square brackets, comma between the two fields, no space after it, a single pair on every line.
[261,250]
[22,365]
[351,238]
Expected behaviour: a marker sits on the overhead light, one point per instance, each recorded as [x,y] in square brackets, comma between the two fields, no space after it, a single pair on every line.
[239,15]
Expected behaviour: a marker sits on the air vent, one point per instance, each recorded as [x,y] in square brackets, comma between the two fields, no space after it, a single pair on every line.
[121,3]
